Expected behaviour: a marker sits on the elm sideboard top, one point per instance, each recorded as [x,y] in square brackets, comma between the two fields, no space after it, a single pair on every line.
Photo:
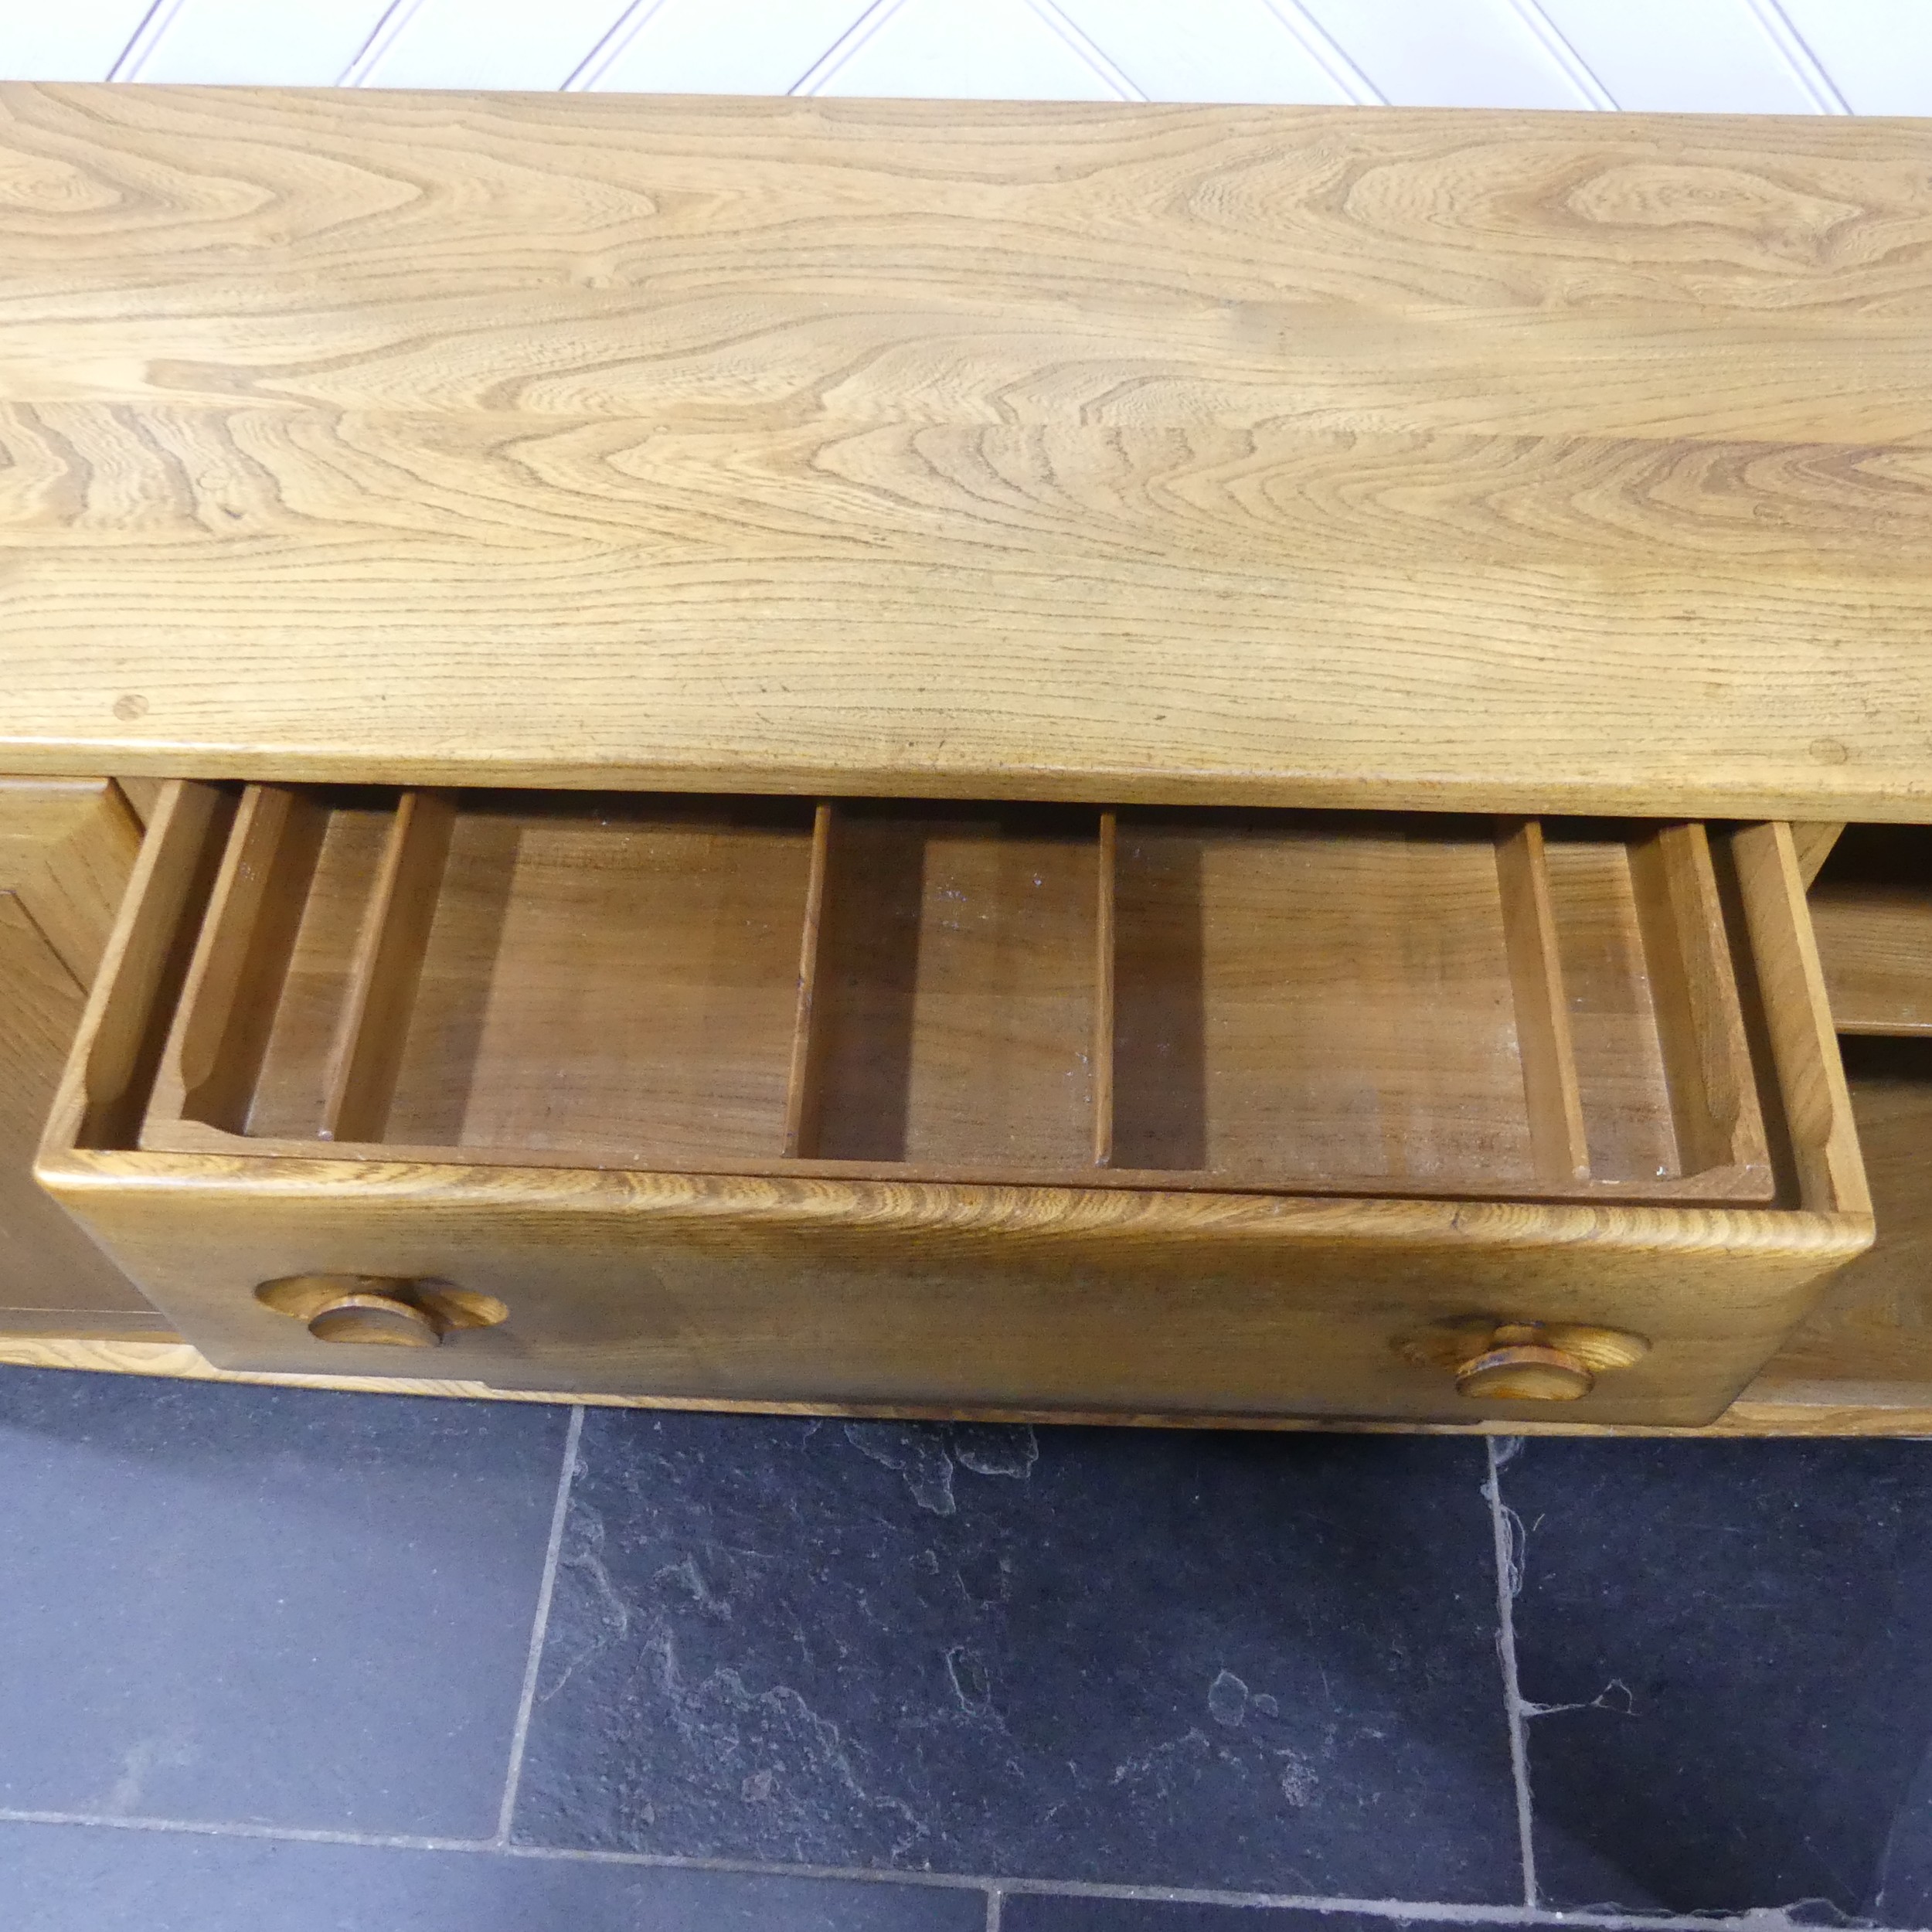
[1482,460]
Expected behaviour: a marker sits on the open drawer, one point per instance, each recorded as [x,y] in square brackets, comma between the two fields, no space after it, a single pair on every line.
[1024,1107]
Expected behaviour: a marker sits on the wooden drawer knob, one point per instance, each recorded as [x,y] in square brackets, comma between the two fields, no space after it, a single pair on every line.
[1525,1373]
[367,1315]
[386,1311]
[1495,1361]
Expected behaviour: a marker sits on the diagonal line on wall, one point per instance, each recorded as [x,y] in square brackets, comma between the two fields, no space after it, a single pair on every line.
[1555,43]
[1326,52]
[1798,57]
[611,43]
[144,39]
[382,37]
[1091,54]
[844,47]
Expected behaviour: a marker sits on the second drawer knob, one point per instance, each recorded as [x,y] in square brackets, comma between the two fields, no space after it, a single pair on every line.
[1501,1361]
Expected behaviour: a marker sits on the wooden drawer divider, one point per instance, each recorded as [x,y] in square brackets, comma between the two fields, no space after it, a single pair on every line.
[1100,999]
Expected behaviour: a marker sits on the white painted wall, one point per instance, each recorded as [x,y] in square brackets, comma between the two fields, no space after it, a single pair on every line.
[1774,56]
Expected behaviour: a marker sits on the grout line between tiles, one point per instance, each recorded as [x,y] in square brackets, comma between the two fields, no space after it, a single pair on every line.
[1403,1911]
[540,1626]
[287,1834]
[996,1905]
[1509,1579]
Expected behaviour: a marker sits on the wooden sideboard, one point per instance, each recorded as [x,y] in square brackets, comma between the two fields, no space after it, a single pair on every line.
[1154,761]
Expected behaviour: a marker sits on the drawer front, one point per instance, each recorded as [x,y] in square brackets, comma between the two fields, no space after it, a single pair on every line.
[679,1285]
[237,1016]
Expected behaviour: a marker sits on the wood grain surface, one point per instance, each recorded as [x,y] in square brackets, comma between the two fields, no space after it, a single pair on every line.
[1325,1002]
[67,849]
[799,1287]
[1503,461]
[1872,907]
[883,1292]
[1869,1341]
[1861,1364]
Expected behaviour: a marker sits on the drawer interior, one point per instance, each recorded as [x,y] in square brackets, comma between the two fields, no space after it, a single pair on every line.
[957,1000]
[1292,1001]
[1872,909]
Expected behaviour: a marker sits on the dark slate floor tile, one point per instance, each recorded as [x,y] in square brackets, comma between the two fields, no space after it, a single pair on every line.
[1144,1657]
[80,1879]
[273,1606]
[1045,1911]
[1735,1643]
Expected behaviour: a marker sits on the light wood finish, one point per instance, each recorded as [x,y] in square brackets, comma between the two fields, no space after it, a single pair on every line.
[783,1286]
[379,1321]
[805,1081]
[617,975]
[1872,907]
[47,1265]
[879,1292]
[1623,1078]
[116,1066]
[1355,1004]
[424,1311]
[1348,1001]
[215,1052]
[1520,462]
[1869,1342]
[1524,1372]
[141,795]
[1106,954]
[956,996]
[1877,953]
[1859,1365]
[1815,843]
[1713,1097]
[1557,1139]
[1303,997]
[1523,1361]
[359,1079]
[1810,1084]
[66,849]
[65,852]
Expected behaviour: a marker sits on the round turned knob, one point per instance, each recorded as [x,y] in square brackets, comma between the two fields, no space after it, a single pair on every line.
[366,1315]
[388,1310]
[1525,1372]
[1497,1360]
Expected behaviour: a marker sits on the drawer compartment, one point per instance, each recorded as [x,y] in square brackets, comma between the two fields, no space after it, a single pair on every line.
[1297,1002]
[1872,907]
[1364,1001]
[993,1105]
